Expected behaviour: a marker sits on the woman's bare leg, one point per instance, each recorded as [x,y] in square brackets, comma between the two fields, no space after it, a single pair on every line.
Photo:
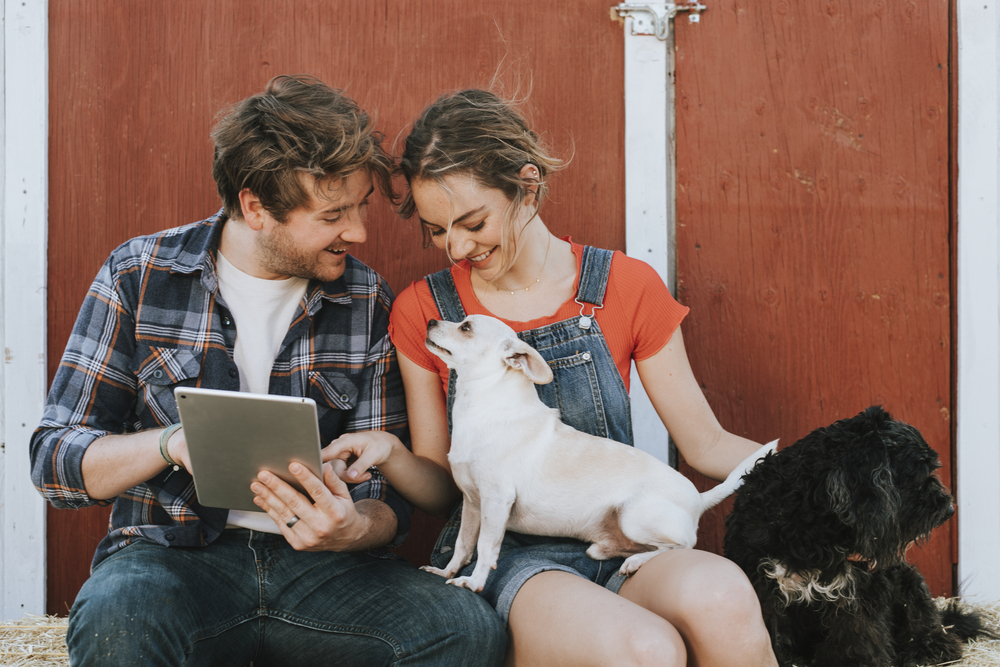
[561,619]
[710,602]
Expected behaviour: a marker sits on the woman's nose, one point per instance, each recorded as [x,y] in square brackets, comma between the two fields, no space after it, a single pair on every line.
[460,245]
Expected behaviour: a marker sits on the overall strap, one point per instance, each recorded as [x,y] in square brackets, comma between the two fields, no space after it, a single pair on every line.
[450,308]
[446,296]
[594,271]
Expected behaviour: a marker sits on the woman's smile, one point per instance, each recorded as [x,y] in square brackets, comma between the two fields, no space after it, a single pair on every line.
[479,258]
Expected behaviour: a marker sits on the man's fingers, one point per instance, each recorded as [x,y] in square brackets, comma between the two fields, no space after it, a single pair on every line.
[335,485]
[326,492]
[285,497]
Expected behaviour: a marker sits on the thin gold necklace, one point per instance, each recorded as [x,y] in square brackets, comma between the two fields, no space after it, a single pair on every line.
[537,278]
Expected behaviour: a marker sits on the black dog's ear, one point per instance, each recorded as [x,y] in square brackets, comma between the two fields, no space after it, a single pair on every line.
[863,494]
[862,489]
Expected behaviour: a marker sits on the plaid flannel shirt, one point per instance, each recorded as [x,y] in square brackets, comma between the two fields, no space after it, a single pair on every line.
[154,320]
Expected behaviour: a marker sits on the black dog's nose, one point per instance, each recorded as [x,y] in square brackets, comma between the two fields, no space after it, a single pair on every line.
[431,324]
[951,511]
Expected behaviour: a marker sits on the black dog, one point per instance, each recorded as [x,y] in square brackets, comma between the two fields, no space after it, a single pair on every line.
[822,527]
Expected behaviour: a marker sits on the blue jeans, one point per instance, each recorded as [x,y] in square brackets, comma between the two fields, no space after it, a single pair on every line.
[249,598]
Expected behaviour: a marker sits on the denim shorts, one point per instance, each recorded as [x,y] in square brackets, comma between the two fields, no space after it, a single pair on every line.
[522,557]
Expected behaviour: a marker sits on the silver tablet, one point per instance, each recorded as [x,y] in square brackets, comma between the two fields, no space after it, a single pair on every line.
[231,436]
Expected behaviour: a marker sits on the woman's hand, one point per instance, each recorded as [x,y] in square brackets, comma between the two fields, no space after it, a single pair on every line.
[367,448]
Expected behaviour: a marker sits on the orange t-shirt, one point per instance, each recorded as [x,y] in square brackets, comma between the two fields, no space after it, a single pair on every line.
[638,318]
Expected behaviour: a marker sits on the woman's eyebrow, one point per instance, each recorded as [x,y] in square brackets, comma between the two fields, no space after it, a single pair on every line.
[457,220]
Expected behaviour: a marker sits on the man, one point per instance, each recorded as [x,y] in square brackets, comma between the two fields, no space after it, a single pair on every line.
[260,297]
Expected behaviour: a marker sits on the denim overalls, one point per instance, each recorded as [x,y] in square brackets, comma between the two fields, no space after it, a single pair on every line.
[590,395]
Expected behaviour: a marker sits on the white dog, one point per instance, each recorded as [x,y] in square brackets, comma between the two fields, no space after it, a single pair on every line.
[520,467]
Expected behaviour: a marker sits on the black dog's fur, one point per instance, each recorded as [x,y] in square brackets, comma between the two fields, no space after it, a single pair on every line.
[821,529]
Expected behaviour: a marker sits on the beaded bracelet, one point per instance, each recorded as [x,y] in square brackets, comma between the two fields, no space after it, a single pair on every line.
[164,438]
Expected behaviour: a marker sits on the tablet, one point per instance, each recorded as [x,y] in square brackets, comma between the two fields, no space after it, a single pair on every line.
[232,435]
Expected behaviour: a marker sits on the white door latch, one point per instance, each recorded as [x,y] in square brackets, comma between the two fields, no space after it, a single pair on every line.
[654,19]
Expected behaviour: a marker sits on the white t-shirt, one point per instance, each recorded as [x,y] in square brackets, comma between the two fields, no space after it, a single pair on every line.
[262,310]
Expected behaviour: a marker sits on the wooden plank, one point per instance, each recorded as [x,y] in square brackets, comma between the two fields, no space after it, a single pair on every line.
[135,87]
[978,299]
[22,309]
[813,220]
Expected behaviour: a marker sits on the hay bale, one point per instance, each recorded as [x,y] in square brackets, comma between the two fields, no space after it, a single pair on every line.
[40,641]
[983,652]
[34,641]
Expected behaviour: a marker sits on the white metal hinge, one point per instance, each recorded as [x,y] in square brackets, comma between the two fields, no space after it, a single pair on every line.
[654,19]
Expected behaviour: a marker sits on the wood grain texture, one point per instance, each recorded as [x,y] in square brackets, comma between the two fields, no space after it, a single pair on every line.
[134,88]
[814,220]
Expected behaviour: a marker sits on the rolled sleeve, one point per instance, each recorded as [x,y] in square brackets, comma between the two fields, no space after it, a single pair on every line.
[91,395]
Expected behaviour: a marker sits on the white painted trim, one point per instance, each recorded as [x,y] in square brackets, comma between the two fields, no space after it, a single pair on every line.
[978,306]
[649,190]
[23,228]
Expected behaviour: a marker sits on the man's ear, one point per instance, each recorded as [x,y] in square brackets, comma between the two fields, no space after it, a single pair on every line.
[521,356]
[252,209]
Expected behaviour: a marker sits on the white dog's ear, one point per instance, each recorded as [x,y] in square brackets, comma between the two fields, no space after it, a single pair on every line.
[521,356]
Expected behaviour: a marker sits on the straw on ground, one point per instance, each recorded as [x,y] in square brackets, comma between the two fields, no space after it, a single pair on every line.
[40,641]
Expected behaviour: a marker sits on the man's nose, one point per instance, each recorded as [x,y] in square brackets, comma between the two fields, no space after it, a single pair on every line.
[355,232]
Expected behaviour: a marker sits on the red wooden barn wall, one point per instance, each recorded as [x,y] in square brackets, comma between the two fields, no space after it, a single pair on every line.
[816,250]
[814,220]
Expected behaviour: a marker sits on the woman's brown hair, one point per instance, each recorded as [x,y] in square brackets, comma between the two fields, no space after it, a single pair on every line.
[478,133]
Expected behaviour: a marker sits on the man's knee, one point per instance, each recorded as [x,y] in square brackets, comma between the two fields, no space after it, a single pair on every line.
[114,622]
[468,626]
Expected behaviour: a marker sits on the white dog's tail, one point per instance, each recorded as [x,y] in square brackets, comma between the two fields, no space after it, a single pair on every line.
[717,494]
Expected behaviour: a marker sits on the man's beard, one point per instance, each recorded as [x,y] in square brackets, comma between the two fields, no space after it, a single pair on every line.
[279,255]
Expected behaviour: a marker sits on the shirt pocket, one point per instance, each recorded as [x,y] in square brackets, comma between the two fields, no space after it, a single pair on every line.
[332,390]
[158,371]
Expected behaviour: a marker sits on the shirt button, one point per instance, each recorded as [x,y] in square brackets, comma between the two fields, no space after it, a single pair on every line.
[233,372]
[157,374]
[170,538]
[226,321]
[586,356]
[344,398]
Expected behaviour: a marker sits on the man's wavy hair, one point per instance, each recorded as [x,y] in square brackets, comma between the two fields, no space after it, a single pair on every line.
[478,133]
[298,125]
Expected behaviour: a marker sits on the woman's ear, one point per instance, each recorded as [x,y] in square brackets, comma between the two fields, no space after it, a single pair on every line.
[530,172]
[252,209]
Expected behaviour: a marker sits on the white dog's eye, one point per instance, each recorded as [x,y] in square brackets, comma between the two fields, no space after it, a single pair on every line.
[465,327]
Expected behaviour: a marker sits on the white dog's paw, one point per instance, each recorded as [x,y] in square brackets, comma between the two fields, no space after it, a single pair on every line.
[599,551]
[471,582]
[633,563]
[438,572]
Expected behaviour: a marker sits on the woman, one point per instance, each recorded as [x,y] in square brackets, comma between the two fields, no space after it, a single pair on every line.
[477,178]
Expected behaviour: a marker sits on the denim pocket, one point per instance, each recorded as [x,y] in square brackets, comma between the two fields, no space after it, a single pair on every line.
[576,393]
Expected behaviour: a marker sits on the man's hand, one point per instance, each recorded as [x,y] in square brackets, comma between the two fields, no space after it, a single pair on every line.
[331,521]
